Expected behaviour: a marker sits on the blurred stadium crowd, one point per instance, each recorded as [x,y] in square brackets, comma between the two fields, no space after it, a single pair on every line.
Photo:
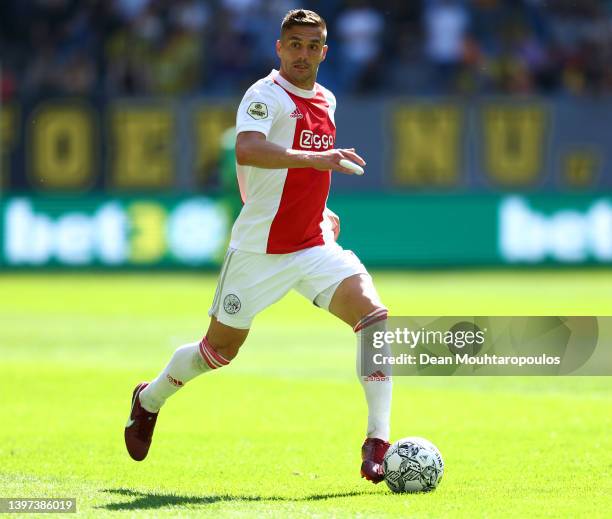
[171,47]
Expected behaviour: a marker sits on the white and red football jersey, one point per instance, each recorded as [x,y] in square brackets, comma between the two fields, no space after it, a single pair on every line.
[283,208]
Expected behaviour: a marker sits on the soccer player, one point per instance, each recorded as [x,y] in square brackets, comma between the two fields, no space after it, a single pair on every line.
[284,237]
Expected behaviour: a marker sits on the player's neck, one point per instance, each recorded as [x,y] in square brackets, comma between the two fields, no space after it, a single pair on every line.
[304,86]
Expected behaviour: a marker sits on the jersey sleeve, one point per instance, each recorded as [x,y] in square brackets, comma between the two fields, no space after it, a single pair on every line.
[258,109]
[331,101]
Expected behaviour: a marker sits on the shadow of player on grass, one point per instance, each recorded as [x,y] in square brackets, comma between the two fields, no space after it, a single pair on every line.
[144,500]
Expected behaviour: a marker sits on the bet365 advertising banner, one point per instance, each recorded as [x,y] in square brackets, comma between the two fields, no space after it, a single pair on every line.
[479,229]
[113,232]
[385,230]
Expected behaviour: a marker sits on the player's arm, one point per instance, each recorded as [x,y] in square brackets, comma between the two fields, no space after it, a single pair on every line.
[253,149]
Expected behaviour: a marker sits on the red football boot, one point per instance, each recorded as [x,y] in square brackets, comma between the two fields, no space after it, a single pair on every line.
[372,453]
[139,427]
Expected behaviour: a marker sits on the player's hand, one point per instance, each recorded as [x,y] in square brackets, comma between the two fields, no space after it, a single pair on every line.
[330,159]
[335,221]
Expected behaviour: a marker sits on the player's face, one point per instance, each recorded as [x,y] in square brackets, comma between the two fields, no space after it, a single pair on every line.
[301,49]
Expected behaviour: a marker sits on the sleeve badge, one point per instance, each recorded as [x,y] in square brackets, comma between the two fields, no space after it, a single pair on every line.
[258,110]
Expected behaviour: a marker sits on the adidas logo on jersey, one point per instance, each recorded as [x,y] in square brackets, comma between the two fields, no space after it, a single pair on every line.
[296,114]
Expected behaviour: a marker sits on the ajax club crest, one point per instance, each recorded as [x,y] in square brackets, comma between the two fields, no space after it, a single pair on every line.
[231,303]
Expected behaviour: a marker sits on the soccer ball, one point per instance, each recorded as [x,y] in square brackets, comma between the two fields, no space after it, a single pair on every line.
[413,465]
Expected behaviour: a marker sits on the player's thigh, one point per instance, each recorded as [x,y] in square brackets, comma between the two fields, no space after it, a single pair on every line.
[248,284]
[337,281]
[355,298]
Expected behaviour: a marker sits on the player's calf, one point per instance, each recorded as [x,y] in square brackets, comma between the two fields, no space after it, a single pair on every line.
[378,388]
[375,379]
[186,363]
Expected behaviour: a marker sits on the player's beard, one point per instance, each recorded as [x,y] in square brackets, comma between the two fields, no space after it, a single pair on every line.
[303,77]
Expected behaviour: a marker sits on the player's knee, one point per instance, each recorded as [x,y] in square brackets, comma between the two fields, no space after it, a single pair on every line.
[225,340]
[376,313]
[375,309]
[227,347]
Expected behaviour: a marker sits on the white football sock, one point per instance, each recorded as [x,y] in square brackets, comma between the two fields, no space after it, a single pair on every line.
[188,362]
[378,385]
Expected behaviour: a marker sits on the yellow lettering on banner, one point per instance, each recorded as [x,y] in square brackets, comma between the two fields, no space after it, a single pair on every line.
[427,145]
[210,122]
[61,147]
[142,149]
[8,131]
[148,237]
[514,144]
[580,168]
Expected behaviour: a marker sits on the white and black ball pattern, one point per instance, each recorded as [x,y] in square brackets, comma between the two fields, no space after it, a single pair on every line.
[413,465]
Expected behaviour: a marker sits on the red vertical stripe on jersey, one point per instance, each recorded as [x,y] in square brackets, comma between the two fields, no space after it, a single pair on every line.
[297,223]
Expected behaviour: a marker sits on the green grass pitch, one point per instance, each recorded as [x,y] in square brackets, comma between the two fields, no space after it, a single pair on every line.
[278,433]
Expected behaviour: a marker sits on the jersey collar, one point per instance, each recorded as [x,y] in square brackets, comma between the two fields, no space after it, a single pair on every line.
[275,75]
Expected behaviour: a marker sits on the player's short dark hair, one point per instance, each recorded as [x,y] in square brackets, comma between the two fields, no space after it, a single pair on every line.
[303,17]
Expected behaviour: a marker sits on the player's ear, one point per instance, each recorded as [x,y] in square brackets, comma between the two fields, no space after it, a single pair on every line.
[324,52]
[278,47]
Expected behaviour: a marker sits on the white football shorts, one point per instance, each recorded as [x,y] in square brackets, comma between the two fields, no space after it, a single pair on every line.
[249,282]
